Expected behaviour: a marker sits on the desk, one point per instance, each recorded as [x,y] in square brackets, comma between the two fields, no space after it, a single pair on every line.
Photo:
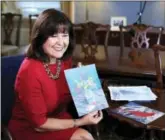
[108,67]
[158,124]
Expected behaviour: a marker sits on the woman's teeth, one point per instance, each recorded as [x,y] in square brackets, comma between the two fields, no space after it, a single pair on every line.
[58,49]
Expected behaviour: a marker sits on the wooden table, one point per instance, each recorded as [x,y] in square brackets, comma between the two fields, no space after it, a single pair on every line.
[110,67]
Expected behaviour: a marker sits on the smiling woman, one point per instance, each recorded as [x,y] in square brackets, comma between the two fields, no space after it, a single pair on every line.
[42,95]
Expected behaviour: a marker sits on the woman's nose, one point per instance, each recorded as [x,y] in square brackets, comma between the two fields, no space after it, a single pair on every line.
[60,40]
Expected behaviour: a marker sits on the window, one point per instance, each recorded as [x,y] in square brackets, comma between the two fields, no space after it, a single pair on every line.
[34,7]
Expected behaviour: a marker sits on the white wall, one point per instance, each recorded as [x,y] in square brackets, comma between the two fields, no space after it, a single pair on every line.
[155,13]
[101,12]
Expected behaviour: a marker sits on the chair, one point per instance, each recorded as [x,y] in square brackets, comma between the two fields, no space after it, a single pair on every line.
[159,88]
[139,35]
[158,65]
[31,19]
[91,43]
[139,41]
[89,47]
[9,68]
[138,54]
[129,60]
[88,44]
[11,25]
[138,57]
[5,133]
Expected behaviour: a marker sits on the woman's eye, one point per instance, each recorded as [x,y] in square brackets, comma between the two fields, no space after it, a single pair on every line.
[54,35]
[62,35]
[65,35]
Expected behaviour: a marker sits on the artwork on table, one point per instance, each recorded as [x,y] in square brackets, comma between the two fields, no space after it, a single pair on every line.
[115,22]
[86,89]
[138,112]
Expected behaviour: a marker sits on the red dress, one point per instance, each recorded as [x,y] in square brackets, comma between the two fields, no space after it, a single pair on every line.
[39,97]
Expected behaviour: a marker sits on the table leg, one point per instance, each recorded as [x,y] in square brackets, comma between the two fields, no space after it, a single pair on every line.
[143,137]
[152,135]
[97,132]
[162,135]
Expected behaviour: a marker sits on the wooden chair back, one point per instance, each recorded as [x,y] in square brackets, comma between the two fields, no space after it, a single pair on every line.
[138,54]
[158,63]
[11,21]
[139,35]
[31,21]
[89,41]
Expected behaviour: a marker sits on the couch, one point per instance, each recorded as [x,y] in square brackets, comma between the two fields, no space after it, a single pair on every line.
[9,69]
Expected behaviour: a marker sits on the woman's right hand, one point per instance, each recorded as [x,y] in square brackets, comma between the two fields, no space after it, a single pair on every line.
[92,118]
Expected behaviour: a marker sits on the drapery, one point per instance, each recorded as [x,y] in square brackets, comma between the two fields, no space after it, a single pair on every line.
[68,8]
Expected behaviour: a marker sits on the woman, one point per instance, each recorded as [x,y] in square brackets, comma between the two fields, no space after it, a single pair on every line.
[41,90]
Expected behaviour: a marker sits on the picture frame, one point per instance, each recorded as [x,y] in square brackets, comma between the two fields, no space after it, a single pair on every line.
[115,22]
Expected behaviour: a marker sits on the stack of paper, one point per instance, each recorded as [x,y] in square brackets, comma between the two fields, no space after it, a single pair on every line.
[131,93]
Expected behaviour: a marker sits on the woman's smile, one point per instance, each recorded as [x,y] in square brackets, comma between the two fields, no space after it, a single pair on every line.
[58,48]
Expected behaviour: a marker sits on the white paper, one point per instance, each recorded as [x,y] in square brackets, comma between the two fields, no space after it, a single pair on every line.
[131,93]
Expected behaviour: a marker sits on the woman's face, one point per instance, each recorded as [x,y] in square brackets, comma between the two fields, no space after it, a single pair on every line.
[56,45]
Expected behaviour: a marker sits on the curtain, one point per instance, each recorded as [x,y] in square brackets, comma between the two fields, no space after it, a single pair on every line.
[68,8]
[9,6]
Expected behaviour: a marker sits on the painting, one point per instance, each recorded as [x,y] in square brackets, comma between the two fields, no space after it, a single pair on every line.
[86,89]
[138,112]
[115,22]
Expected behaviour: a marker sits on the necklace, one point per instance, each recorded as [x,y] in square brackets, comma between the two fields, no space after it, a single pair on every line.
[50,74]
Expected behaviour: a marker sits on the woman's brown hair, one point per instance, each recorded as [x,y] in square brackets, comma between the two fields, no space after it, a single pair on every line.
[47,24]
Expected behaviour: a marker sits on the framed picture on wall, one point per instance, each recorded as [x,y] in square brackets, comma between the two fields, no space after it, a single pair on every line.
[115,22]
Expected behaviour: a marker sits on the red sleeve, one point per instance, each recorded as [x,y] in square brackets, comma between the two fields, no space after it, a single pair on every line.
[29,92]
